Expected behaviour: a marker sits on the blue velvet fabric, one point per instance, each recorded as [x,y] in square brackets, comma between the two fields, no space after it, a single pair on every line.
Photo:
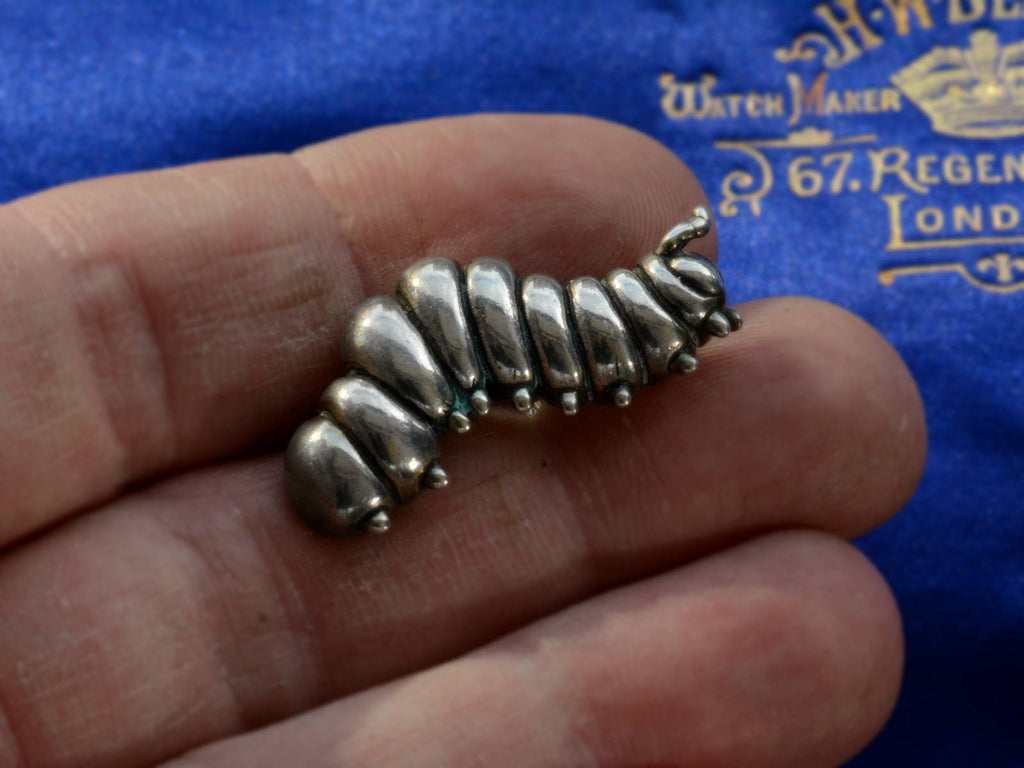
[857,184]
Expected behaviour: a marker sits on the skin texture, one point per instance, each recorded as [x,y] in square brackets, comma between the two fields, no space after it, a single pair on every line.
[664,585]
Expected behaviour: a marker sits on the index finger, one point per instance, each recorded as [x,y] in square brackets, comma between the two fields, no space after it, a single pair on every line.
[166,319]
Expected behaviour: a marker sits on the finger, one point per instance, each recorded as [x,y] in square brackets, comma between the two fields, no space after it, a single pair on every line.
[169,318]
[785,651]
[208,583]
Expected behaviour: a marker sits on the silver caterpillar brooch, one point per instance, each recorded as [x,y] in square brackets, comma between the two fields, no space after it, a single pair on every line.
[453,337]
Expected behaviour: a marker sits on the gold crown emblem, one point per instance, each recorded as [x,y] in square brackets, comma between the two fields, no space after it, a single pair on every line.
[976,92]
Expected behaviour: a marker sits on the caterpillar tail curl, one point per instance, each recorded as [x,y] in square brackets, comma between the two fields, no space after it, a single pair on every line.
[420,363]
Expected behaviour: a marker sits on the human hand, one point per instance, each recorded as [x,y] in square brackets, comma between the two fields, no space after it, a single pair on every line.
[662,585]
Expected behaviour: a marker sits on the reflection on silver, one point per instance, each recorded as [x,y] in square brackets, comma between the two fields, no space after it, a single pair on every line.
[611,359]
[383,342]
[689,305]
[491,286]
[401,444]
[660,338]
[330,485]
[432,290]
[547,316]
[455,338]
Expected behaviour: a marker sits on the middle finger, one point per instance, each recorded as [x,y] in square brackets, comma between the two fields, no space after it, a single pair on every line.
[200,608]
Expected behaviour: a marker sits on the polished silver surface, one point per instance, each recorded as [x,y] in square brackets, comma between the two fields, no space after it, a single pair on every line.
[433,292]
[623,395]
[660,338]
[413,376]
[401,443]
[685,363]
[702,276]
[459,423]
[698,274]
[611,357]
[681,300]
[547,316]
[570,402]
[436,477]
[682,233]
[379,522]
[383,342]
[480,402]
[523,400]
[328,482]
[491,286]
[735,318]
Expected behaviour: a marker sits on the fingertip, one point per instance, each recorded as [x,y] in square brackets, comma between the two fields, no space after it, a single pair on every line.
[786,650]
[844,632]
[865,426]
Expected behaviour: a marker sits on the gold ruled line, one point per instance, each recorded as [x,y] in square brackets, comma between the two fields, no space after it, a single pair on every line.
[888,276]
[963,242]
[800,142]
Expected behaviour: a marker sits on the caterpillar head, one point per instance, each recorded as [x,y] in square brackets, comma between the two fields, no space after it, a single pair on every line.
[690,284]
[703,294]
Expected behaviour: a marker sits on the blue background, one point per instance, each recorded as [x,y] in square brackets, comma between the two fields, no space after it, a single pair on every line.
[102,87]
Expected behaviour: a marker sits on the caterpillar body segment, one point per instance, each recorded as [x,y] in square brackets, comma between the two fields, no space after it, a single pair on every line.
[454,338]
[432,292]
[559,360]
[383,342]
[329,483]
[660,339]
[612,360]
[402,444]
[494,303]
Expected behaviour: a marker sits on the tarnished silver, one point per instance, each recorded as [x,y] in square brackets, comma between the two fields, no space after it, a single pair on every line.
[420,365]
